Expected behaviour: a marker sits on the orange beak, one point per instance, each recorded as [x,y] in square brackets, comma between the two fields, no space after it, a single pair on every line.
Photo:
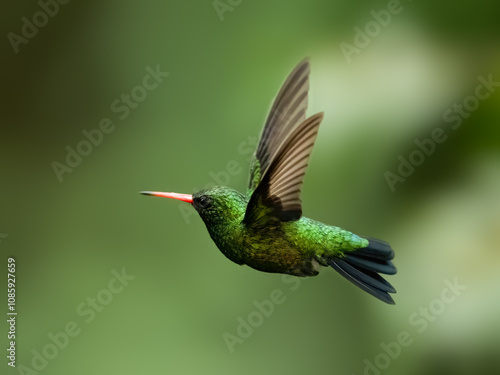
[181,197]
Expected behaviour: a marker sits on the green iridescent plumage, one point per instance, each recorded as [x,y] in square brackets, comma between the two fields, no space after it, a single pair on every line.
[265,229]
[290,247]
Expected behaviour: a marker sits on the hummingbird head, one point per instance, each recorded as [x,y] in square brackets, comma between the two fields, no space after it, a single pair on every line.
[219,204]
[215,205]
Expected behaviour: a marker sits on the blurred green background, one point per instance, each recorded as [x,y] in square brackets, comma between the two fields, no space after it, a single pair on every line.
[68,237]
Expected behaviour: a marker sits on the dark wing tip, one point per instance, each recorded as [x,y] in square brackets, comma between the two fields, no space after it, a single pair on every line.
[319,116]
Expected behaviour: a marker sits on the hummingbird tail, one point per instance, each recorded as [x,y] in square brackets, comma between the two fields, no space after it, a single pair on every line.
[362,268]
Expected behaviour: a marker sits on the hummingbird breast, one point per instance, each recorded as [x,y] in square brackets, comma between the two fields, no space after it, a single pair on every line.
[269,249]
[296,248]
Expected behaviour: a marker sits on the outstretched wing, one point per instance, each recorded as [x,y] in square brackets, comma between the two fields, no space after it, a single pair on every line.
[288,111]
[277,196]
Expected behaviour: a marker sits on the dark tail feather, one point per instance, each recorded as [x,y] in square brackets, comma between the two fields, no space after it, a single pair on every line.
[362,267]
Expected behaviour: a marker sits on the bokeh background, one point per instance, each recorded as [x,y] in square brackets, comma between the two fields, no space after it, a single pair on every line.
[68,237]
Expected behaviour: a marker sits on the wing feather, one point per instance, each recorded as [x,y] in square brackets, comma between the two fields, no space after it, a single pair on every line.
[287,112]
[277,196]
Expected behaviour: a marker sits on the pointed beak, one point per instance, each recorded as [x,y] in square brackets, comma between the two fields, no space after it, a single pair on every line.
[182,197]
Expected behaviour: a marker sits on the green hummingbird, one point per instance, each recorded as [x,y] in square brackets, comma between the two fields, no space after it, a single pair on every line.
[265,229]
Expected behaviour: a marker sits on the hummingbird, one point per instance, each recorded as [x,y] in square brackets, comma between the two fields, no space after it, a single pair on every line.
[265,229]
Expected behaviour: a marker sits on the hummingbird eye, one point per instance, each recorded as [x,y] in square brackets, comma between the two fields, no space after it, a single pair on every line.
[204,201]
